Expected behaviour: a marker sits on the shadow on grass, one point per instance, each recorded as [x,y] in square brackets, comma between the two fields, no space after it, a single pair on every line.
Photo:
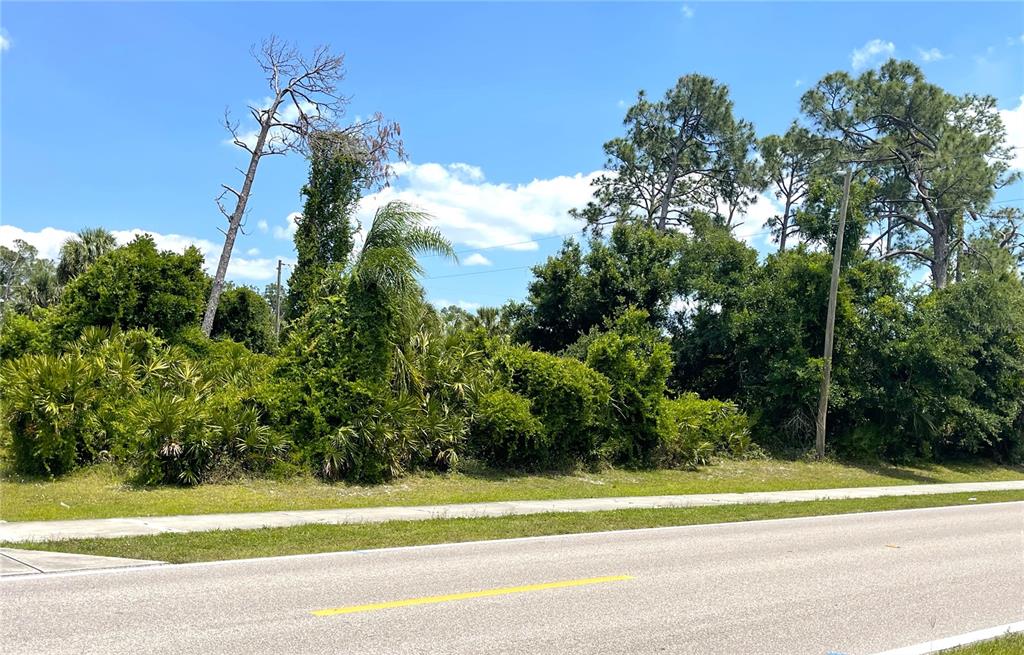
[921,474]
[480,471]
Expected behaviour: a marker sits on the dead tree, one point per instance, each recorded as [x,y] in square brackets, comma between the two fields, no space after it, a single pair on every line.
[305,103]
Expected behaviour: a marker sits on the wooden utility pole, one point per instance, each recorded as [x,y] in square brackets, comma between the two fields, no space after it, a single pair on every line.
[277,302]
[830,321]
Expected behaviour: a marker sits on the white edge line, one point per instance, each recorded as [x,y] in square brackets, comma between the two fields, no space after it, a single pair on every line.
[958,640]
[457,544]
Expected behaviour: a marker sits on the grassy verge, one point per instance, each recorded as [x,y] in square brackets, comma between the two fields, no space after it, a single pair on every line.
[236,544]
[1009,645]
[100,492]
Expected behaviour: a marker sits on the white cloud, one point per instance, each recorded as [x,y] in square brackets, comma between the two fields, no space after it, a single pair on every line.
[262,269]
[467,172]
[871,52]
[687,11]
[472,211]
[175,242]
[49,240]
[798,83]
[750,226]
[287,231]
[5,41]
[932,54]
[253,252]
[476,259]
[441,303]
[1013,120]
[263,226]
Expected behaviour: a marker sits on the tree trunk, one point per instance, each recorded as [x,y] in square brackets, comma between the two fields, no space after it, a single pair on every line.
[235,221]
[672,175]
[940,253]
[785,227]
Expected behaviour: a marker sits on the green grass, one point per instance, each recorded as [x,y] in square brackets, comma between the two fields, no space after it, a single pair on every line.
[100,492]
[1009,645]
[236,544]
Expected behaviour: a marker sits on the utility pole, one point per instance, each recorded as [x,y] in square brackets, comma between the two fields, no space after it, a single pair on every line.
[830,321]
[277,301]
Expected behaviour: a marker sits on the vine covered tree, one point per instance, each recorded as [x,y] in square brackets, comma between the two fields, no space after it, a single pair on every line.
[305,105]
[338,173]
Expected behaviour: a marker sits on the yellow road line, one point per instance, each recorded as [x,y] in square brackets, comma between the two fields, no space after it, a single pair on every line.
[426,600]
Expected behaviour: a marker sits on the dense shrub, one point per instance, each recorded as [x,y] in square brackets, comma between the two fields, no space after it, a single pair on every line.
[129,395]
[635,359]
[21,335]
[168,439]
[136,286]
[693,430]
[576,290]
[967,354]
[243,315]
[571,400]
[505,432]
[352,424]
[51,407]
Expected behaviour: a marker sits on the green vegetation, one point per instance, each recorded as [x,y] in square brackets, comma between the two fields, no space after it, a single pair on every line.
[665,342]
[1008,645]
[236,544]
[134,286]
[245,317]
[99,492]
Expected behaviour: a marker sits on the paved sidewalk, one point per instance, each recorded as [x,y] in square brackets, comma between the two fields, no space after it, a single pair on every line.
[23,531]
[33,562]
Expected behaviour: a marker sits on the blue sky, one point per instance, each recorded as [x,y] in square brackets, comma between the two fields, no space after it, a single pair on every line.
[111,112]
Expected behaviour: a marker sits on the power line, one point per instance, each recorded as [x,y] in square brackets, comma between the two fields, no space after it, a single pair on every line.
[494,270]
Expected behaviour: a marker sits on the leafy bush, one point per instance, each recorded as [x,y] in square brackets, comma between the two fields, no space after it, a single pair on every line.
[693,430]
[20,335]
[505,432]
[136,286]
[967,368]
[196,416]
[635,359]
[375,446]
[244,316]
[570,400]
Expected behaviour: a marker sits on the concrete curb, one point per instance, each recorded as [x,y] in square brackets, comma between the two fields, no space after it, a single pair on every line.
[966,639]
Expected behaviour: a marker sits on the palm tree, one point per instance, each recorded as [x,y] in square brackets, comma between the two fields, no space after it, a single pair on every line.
[388,256]
[40,288]
[487,318]
[384,294]
[79,253]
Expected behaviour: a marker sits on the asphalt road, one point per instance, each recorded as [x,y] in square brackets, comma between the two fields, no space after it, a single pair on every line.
[855,584]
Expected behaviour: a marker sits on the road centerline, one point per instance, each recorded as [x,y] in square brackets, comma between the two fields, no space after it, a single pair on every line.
[500,591]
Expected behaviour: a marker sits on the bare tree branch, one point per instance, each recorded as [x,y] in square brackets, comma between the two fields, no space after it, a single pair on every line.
[305,106]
